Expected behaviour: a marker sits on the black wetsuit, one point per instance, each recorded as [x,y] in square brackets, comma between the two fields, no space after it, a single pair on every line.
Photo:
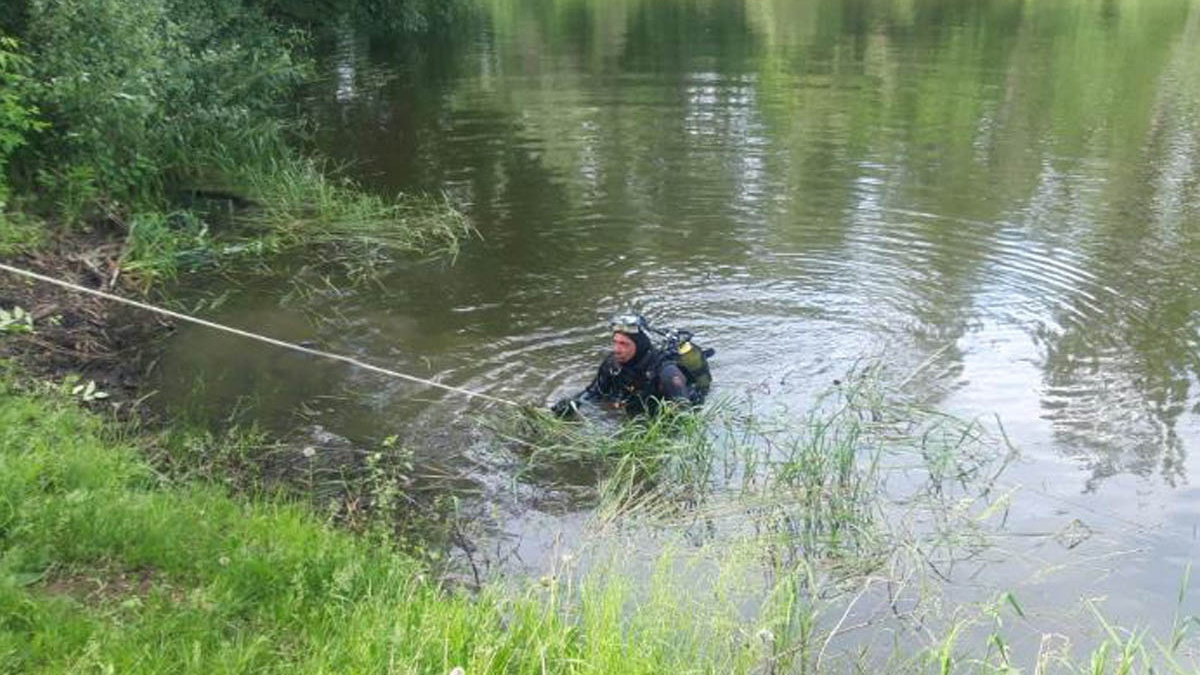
[641,384]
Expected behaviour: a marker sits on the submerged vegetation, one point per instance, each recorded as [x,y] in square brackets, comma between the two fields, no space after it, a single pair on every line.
[171,122]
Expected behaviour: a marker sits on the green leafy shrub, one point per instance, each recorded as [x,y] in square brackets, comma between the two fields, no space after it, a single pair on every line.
[149,104]
[142,94]
[17,118]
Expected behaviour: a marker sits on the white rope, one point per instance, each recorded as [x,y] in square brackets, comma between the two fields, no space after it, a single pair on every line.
[252,336]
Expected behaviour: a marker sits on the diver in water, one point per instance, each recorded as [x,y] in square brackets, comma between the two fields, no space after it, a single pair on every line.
[639,376]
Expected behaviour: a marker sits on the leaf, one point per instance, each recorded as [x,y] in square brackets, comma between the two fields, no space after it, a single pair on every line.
[1011,599]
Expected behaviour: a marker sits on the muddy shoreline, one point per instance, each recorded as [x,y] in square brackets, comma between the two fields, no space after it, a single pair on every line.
[80,335]
[79,338]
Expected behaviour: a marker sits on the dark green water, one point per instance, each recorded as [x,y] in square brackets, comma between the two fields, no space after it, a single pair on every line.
[1002,196]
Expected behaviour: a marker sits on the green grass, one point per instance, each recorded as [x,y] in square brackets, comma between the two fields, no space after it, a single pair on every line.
[223,585]
[19,232]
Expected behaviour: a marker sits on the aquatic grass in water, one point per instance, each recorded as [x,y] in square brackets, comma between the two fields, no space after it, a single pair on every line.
[299,203]
[865,496]
[668,453]
[848,479]
[158,245]
[374,491]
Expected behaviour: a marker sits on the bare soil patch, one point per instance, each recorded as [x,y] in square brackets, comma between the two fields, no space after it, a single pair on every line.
[74,333]
[106,587]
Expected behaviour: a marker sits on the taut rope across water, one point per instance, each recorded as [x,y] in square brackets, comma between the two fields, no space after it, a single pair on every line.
[253,336]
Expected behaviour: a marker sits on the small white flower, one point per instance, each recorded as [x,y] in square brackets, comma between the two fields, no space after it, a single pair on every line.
[308,451]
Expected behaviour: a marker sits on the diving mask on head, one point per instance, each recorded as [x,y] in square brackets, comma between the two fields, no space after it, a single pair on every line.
[627,323]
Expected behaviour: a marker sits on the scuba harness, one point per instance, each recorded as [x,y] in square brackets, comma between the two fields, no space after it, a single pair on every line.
[691,358]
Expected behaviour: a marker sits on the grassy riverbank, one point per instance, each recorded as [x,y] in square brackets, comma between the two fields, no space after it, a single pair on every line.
[108,566]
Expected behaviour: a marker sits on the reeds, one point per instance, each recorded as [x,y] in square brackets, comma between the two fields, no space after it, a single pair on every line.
[298,202]
[838,478]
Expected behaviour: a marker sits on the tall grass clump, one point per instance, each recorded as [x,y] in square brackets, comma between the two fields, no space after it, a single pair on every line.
[643,461]
[298,202]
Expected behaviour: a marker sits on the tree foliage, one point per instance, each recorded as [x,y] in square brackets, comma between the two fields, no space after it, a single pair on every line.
[18,119]
[141,95]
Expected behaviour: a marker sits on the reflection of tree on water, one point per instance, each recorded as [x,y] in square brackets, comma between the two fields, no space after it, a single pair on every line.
[928,167]
[949,141]
[1127,370]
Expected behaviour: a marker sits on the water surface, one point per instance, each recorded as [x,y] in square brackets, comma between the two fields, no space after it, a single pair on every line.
[999,198]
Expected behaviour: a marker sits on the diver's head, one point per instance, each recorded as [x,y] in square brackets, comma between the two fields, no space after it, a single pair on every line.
[629,339]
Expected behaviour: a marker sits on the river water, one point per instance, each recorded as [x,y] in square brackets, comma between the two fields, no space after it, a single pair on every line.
[1002,197]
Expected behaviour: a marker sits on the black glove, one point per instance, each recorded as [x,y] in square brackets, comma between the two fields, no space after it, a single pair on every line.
[567,409]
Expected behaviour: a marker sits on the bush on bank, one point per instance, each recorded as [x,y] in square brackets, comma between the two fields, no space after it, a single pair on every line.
[17,118]
[382,17]
[123,111]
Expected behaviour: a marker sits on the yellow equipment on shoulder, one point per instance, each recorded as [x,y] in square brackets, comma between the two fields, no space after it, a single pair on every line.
[691,358]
